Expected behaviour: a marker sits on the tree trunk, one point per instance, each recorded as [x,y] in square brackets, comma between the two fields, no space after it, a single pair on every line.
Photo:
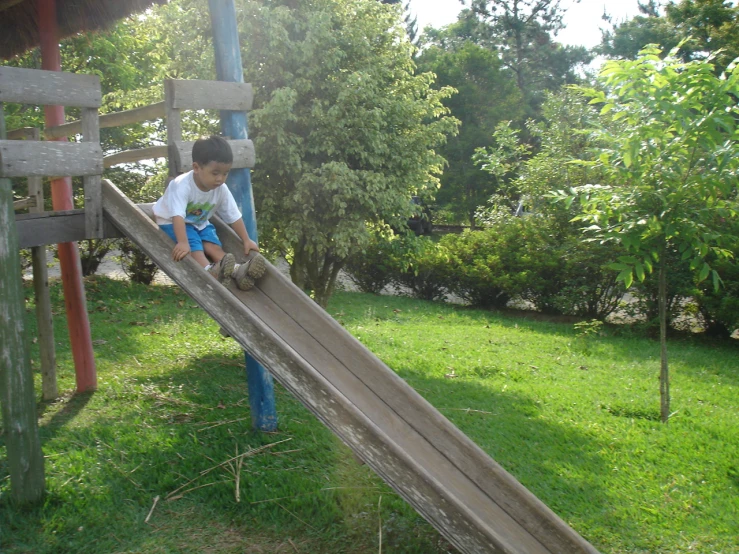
[664,374]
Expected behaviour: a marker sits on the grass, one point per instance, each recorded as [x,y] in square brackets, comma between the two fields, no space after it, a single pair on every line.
[574,417]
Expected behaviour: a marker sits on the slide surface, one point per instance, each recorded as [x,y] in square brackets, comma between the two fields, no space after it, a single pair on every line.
[457,487]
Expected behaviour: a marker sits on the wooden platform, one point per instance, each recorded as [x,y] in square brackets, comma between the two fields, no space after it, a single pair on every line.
[456,486]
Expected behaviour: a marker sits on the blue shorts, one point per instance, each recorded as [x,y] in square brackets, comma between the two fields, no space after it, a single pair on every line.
[194,237]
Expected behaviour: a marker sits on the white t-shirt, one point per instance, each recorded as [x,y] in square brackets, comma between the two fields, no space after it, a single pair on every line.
[185,199]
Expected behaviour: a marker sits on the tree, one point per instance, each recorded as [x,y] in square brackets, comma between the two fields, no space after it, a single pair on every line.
[345,131]
[700,27]
[350,135]
[486,94]
[411,23]
[524,31]
[672,151]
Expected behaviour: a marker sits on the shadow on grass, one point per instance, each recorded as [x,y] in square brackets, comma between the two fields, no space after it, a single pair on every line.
[556,462]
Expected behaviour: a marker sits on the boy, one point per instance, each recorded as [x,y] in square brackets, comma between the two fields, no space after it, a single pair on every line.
[184,211]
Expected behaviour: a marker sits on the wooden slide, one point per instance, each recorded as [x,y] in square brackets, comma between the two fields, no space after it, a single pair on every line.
[457,487]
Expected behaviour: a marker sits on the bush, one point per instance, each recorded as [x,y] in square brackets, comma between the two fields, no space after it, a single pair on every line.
[426,272]
[484,264]
[136,264]
[590,289]
[536,260]
[380,263]
[26,259]
[720,308]
[92,252]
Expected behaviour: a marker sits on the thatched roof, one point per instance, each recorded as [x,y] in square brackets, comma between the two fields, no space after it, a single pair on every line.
[19,20]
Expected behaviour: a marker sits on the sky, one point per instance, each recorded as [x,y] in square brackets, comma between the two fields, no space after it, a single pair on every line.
[583,20]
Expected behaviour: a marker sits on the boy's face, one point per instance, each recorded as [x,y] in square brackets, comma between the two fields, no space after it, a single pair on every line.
[211,175]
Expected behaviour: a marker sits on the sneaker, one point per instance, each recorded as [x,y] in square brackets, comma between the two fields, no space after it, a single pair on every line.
[223,269]
[244,282]
[250,271]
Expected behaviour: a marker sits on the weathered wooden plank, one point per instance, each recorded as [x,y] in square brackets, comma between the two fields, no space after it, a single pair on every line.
[47,346]
[49,88]
[93,192]
[243,153]
[5,4]
[20,158]
[174,126]
[207,95]
[517,502]
[131,156]
[24,133]
[25,458]
[24,203]
[44,322]
[115,119]
[56,228]
[328,403]
[328,378]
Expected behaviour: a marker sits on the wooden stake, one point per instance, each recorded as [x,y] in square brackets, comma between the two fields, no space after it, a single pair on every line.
[25,458]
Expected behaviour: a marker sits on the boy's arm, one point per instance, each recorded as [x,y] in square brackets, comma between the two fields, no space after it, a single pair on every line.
[240,229]
[182,248]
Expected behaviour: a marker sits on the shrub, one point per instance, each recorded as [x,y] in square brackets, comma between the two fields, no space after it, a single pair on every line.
[92,252]
[427,271]
[484,264]
[136,264]
[720,308]
[381,262]
[590,288]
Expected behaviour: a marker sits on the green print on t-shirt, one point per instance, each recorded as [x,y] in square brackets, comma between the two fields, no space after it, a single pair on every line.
[197,213]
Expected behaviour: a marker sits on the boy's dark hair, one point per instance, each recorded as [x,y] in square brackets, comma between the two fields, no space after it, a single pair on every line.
[212,149]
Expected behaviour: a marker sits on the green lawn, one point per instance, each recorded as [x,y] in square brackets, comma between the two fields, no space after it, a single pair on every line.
[575,419]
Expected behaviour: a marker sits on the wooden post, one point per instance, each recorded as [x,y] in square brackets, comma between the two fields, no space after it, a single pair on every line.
[25,459]
[47,346]
[234,125]
[61,196]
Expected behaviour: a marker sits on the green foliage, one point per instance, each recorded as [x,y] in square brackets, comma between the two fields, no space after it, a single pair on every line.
[697,27]
[486,95]
[347,131]
[532,260]
[92,253]
[488,266]
[504,160]
[680,287]
[379,263]
[672,149]
[720,308]
[136,264]
[427,271]
[524,31]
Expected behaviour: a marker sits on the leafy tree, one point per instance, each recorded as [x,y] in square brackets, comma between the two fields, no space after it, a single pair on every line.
[524,31]
[486,94]
[672,154]
[345,131]
[700,27]
[411,23]
[350,138]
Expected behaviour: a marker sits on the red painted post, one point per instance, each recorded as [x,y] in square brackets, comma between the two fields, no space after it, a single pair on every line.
[61,197]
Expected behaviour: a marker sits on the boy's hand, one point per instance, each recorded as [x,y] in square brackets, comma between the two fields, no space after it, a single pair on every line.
[250,245]
[180,251]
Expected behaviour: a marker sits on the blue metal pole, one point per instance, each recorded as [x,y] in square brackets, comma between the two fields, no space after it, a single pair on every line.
[235,126]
